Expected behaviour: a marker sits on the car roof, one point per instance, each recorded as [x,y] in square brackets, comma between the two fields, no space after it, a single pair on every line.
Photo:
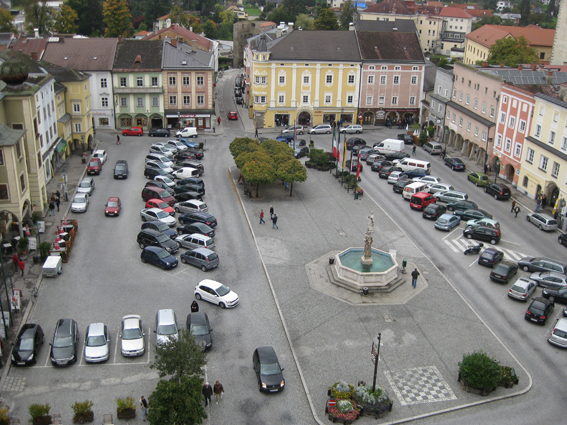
[213,284]
[98,151]
[267,355]
[63,327]
[198,318]
[155,249]
[113,198]
[561,324]
[156,201]
[156,210]
[203,251]
[447,216]
[523,282]
[95,329]
[131,320]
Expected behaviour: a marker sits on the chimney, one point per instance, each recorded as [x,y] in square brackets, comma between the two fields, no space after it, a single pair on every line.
[394,29]
[501,64]
[549,77]
[351,26]
[34,56]
[520,68]
[168,23]
[194,45]
[120,39]
[36,32]
[174,42]
[534,65]
[290,25]
[191,29]
[278,32]
[485,64]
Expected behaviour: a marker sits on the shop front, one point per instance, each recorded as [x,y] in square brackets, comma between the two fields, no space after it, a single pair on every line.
[281,119]
[202,120]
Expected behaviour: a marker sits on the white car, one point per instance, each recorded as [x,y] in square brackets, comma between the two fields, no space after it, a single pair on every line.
[155,214]
[80,203]
[187,132]
[216,293]
[159,157]
[294,129]
[180,146]
[483,222]
[97,341]
[394,176]
[353,128]
[87,186]
[439,187]
[321,129]
[166,145]
[100,154]
[427,179]
[132,336]
[165,180]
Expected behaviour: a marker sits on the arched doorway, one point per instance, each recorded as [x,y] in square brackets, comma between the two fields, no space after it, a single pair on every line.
[304,118]
[368,118]
[156,122]
[509,172]
[537,192]
[553,197]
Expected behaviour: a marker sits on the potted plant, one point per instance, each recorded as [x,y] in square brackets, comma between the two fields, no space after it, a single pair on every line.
[4,416]
[125,408]
[478,373]
[82,412]
[344,410]
[44,248]
[40,414]
[372,403]
[508,378]
[341,390]
[23,244]
[36,216]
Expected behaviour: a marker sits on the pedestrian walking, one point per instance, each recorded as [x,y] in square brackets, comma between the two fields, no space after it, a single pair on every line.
[543,200]
[286,186]
[513,205]
[538,204]
[118,140]
[16,261]
[218,390]
[256,133]
[413,150]
[414,276]
[144,407]
[218,120]
[271,211]
[214,128]
[22,266]
[275,221]
[516,210]
[208,393]
[52,208]
[194,307]
[57,202]
[262,217]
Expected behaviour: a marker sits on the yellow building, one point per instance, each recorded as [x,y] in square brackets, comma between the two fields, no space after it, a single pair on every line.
[544,165]
[305,77]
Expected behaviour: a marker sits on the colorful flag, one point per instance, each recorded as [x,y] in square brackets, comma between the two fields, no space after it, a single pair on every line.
[358,169]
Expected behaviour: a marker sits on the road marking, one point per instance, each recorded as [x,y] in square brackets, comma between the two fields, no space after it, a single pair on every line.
[451,245]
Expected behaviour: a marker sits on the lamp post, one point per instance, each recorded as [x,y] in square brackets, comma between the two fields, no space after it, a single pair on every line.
[375,359]
[497,169]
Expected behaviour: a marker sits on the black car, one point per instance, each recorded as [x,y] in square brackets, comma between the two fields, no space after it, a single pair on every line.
[433,211]
[499,191]
[121,169]
[355,141]
[472,214]
[151,237]
[198,325]
[268,370]
[301,152]
[364,151]
[64,344]
[539,310]
[198,217]
[390,156]
[483,233]
[461,205]
[239,100]
[191,180]
[384,172]
[562,239]
[416,172]
[162,185]
[183,156]
[26,347]
[159,132]
[379,164]
[160,227]
[556,295]
[199,154]
[407,138]
[189,229]
[503,272]
[354,166]
[455,163]
[489,257]
[187,196]
[191,163]
[398,187]
[180,188]
[151,173]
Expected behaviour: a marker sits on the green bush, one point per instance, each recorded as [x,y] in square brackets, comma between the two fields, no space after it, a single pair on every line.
[38,411]
[479,370]
[4,416]
[36,216]
[44,248]
[342,391]
[125,404]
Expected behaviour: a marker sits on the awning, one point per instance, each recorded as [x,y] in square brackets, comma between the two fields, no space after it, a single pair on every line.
[61,146]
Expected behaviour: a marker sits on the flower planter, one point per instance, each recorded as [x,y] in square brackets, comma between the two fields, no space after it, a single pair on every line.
[83,418]
[126,413]
[335,416]
[479,391]
[509,377]
[42,420]
[377,410]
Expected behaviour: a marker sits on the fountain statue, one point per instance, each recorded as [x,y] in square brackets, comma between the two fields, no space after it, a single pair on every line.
[368,238]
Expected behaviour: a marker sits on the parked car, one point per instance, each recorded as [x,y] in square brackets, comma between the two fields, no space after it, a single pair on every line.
[434,148]
[542,264]
[154,192]
[159,165]
[503,271]
[188,188]
[100,154]
[162,205]
[394,176]
[192,180]
[478,178]
[112,207]
[239,100]
[186,132]
[522,289]
[188,229]
[543,221]
[159,132]
[269,372]
[195,240]
[203,258]
[321,129]
[26,347]
[499,191]
[555,294]
[559,333]
[353,165]
[132,336]
[160,227]
[353,128]
[97,343]
[385,172]
[187,196]
[462,205]
[190,206]
[539,310]
[447,222]
[391,156]
[158,157]
[483,233]
[152,214]
[455,163]
[198,217]
[172,148]
[483,222]
[433,211]
[451,196]
[401,184]
[301,152]
[232,115]
[294,129]
[378,164]
[216,293]
[198,325]
[133,131]
[150,237]
[161,150]
[64,344]
[87,186]
[161,184]
[472,214]
[490,256]
[121,169]
[562,239]
[355,141]
[158,257]
[415,173]
[551,280]
[80,203]
[439,187]
[190,163]
[152,173]
[427,179]
[407,138]
[95,166]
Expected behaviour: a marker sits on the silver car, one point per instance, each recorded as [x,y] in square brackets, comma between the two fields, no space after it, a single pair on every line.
[550,279]
[80,203]
[97,341]
[192,205]
[168,146]
[160,165]
[522,289]
[428,180]
[87,186]
[353,128]
[297,129]
[132,336]
[321,129]
[155,214]
[451,196]
[543,221]
[483,222]
[439,187]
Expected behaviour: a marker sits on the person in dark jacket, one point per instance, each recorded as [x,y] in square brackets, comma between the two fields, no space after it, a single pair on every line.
[194,307]
[218,390]
[414,276]
[208,393]
[275,221]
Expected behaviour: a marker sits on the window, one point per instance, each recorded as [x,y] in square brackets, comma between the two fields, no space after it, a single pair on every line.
[200,100]
[384,68]
[440,108]
[351,79]
[173,100]
[154,81]
[508,145]
[541,110]
[329,79]
[172,80]
[396,79]
[261,80]
[78,127]
[76,108]
[446,93]
[371,79]
[505,99]
[103,83]
[460,121]
[555,116]
[415,68]
[306,79]
[104,102]
[476,130]
[155,101]
[469,126]
[122,81]
[484,136]
[551,140]
[555,169]
[103,121]
[543,162]
[492,112]
[369,100]
[460,96]
[186,81]
[537,130]
[397,68]
[383,79]
[454,93]
[518,150]
[260,99]
[414,80]
[139,102]
[502,117]
[522,126]
[371,67]
[4,191]
[412,100]
[281,98]
[525,181]
[139,82]
[468,99]
[475,103]
[350,98]
[123,102]
[186,100]
[305,99]
[530,156]
[282,79]
[381,100]
[201,80]
[512,122]
[394,100]
[499,141]
[23,182]
[484,107]
[454,118]
[563,144]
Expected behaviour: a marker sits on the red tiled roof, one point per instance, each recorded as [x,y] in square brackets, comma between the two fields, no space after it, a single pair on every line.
[184,34]
[455,12]
[267,24]
[142,33]
[488,34]
[84,54]
[29,45]
[387,6]
[163,18]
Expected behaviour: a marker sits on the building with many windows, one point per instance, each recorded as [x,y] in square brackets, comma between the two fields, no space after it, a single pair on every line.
[443,88]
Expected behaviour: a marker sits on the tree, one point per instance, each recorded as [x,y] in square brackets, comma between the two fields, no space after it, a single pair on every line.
[91,21]
[346,15]
[512,52]
[117,18]
[288,11]
[259,171]
[65,21]
[291,171]
[186,20]
[525,9]
[326,20]
[210,29]
[305,22]
[552,8]
[174,403]
[38,15]
[487,20]
[241,145]
[6,22]
[155,9]
[179,358]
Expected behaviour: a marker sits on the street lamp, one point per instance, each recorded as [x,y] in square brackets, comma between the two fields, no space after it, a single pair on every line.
[375,359]
[497,168]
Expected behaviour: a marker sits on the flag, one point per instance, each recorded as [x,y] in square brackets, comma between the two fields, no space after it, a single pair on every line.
[358,169]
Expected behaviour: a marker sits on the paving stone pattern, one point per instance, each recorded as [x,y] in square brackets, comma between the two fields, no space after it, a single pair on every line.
[14,384]
[420,385]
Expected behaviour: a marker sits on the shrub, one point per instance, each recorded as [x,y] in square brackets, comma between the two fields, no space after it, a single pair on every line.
[379,396]
[82,410]
[23,243]
[38,411]
[36,216]
[342,391]
[44,248]
[4,416]
[479,370]
[123,404]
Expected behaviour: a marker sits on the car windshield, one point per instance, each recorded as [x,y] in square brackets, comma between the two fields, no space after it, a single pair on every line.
[270,369]
[501,269]
[161,226]
[166,180]
[93,164]
[26,344]
[112,204]
[120,167]
[162,254]
[442,221]
[96,341]
[161,165]
[79,199]
[166,329]
[132,333]
[163,205]
[162,238]
[537,308]
[85,184]
[199,330]
[62,341]
[559,333]
[487,255]
[517,288]
[223,290]
[162,214]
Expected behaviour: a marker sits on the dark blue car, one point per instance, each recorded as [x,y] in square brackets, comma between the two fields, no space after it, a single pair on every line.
[158,257]
[160,227]
[410,174]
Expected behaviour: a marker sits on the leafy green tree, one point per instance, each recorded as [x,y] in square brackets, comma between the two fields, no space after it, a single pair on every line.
[525,9]
[117,18]
[186,20]
[487,20]
[210,29]
[347,14]
[288,11]
[6,22]
[480,371]
[65,20]
[512,52]
[291,171]
[490,4]
[241,145]
[257,168]
[326,20]
[174,403]
[305,22]
[179,358]
[91,21]
[552,8]
[155,9]
[38,15]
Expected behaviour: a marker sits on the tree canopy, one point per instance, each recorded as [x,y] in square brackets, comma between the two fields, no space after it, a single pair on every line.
[174,403]
[326,20]
[305,22]
[7,22]
[512,51]
[117,18]
[288,11]
[525,9]
[347,14]
[38,15]
[91,20]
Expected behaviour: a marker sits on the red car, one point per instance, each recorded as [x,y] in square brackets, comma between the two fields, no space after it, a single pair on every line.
[112,207]
[95,165]
[162,205]
[232,115]
[134,131]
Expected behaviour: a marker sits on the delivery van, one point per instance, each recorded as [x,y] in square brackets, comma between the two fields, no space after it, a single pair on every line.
[408,164]
[185,172]
[389,146]
[412,189]
[187,132]
[52,266]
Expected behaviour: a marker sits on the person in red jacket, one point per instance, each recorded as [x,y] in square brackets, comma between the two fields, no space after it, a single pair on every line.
[22,266]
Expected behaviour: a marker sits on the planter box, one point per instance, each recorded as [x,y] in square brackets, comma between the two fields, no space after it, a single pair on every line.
[126,414]
[81,419]
[509,383]
[376,410]
[479,391]
[43,420]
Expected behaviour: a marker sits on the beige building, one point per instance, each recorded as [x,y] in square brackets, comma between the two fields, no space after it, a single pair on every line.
[559,53]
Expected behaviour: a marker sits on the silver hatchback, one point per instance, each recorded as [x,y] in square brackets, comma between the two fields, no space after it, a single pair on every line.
[201,257]
[522,289]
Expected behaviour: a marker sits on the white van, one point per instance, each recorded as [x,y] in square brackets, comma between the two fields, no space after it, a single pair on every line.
[412,188]
[389,146]
[53,266]
[407,164]
[187,132]
[185,172]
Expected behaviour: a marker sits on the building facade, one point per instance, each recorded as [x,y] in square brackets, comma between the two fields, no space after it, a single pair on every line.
[439,99]
[241,32]
[559,52]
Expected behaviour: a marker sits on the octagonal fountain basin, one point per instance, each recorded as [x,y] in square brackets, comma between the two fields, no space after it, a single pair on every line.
[383,270]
